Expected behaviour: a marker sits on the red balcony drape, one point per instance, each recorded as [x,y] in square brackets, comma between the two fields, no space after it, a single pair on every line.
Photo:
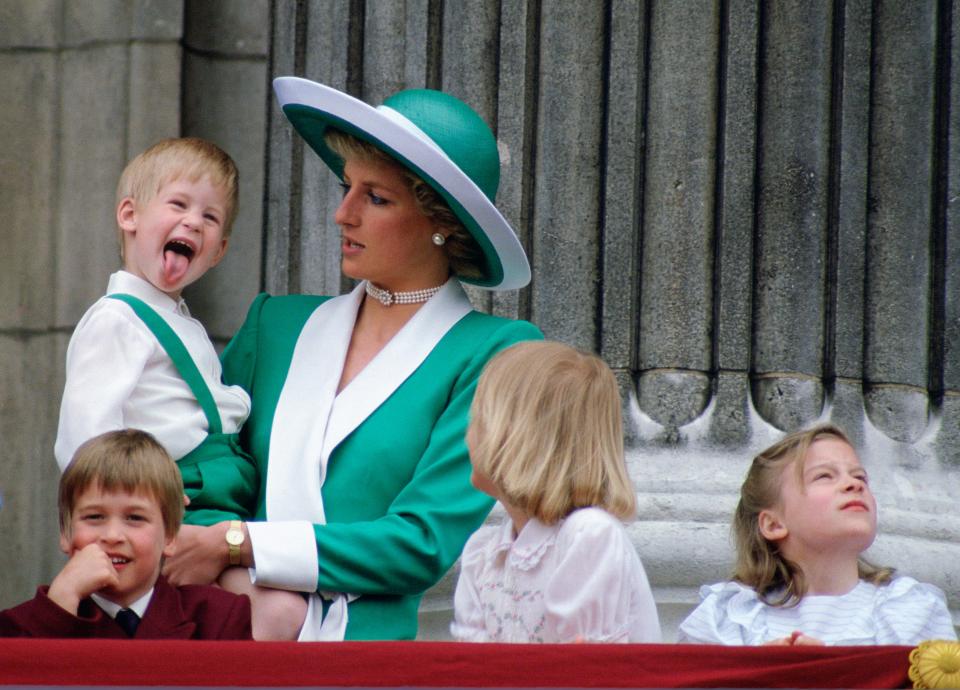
[445,664]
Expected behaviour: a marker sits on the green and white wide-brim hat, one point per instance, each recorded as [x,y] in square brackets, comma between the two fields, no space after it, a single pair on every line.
[438,137]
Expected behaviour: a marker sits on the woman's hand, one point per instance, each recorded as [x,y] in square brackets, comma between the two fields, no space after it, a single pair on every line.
[200,556]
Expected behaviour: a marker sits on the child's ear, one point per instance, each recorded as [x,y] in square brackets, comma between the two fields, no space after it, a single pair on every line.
[127,215]
[771,527]
[224,241]
[170,546]
[65,543]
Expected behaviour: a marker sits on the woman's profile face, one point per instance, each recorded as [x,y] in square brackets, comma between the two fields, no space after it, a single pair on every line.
[384,236]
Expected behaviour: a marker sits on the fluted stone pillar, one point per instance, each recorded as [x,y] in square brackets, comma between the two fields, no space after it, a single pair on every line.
[225,99]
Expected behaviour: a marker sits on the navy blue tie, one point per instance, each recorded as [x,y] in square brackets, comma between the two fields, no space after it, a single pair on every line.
[128,620]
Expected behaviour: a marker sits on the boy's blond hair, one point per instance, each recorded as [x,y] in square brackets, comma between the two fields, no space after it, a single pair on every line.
[548,432]
[760,565]
[463,252]
[128,460]
[172,159]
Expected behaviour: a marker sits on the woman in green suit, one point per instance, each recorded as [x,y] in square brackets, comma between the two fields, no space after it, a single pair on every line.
[360,401]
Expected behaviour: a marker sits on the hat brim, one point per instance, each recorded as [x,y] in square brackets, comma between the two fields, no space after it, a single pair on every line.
[312,108]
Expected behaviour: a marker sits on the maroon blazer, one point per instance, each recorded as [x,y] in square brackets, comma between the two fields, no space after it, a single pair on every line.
[191,612]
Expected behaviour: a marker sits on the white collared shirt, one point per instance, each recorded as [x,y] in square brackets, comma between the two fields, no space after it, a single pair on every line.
[903,612]
[111,609]
[578,580]
[119,376]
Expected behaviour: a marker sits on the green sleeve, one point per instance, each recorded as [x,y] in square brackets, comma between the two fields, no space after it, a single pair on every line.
[428,522]
[240,355]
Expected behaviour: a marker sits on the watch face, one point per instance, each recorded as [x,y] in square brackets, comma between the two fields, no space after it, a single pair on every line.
[234,537]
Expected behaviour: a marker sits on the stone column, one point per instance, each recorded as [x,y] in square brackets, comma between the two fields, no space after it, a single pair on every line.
[226,98]
[85,85]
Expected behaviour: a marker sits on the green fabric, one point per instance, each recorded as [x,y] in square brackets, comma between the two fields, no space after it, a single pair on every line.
[397,496]
[459,132]
[218,477]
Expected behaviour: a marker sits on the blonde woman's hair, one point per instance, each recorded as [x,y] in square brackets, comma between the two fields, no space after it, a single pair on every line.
[777,580]
[128,460]
[463,252]
[187,158]
[547,431]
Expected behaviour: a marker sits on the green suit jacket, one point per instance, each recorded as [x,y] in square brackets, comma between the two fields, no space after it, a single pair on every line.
[397,497]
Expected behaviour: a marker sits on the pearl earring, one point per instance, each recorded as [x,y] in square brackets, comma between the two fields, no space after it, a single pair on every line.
[438,239]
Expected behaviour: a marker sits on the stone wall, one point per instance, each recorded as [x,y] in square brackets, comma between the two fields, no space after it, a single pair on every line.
[747,208]
[87,85]
[84,84]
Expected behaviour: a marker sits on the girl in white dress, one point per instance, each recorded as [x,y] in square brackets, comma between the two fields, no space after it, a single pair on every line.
[545,439]
[806,513]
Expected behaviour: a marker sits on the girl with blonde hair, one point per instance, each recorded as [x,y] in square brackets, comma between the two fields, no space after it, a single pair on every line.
[545,439]
[805,516]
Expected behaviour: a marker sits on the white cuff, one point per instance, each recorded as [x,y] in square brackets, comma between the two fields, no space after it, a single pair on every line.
[284,554]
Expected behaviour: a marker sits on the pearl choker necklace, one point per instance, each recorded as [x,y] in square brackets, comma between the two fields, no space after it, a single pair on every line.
[386,298]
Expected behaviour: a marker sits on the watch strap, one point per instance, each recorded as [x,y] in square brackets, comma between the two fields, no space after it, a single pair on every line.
[233,549]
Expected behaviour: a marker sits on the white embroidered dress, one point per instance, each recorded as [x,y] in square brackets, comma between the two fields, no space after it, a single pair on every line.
[578,580]
[903,612]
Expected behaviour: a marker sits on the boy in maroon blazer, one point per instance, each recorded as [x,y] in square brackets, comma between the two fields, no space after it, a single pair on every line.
[121,505]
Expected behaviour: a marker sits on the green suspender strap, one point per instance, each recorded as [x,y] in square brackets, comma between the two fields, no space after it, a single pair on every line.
[182,360]
[219,478]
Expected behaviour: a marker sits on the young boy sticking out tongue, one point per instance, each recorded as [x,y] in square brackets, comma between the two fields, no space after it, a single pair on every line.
[137,359]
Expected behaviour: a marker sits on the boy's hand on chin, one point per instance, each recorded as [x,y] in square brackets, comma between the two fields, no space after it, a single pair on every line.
[199,556]
[88,570]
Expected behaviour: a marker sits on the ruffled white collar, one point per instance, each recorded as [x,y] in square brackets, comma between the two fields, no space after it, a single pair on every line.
[746,609]
[525,551]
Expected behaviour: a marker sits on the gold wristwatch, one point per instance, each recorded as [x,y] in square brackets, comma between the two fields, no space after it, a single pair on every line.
[235,539]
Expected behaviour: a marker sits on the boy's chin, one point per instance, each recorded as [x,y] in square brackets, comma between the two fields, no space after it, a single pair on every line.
[173,290]
[119,598]
[122,598]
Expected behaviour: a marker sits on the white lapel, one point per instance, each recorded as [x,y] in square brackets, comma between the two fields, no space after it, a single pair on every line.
[311,420]
[395,362]
[303,410]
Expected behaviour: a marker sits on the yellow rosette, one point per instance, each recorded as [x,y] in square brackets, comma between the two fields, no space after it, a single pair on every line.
[935,664]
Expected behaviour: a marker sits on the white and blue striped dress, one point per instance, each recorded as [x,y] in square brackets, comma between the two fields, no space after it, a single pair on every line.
[903,612]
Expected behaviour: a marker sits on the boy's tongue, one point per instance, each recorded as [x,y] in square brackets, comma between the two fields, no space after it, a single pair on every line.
[174,266]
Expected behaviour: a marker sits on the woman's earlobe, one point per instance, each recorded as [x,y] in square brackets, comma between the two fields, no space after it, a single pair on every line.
[771,527]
